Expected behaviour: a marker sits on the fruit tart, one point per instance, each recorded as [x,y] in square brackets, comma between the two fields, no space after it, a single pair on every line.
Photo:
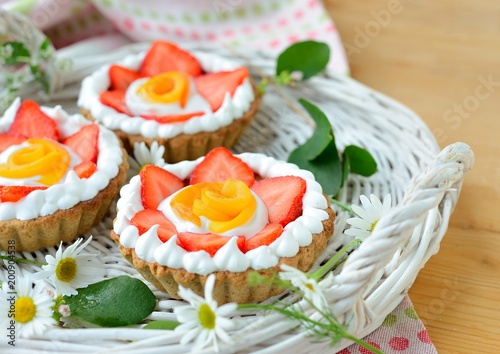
[59,174]
[224,214]
[189,103]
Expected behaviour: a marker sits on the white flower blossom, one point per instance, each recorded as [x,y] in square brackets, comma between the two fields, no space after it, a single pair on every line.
[312,290]
[70,270]
[201,320]
[30,308]
[367,216]
[145,156]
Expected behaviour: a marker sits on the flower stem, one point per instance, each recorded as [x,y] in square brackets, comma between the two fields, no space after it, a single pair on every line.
[326,267]
[341,205]
[362,343]
[22,260]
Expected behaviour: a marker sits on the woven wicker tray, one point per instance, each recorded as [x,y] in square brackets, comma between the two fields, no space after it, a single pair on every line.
[424,182]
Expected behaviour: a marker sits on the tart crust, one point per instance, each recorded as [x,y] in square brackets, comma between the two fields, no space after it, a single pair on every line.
[229,286]
[63,225]
[191,146]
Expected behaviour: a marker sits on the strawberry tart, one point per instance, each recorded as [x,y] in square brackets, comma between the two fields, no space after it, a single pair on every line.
[222,214]
[189,103]
[59,174]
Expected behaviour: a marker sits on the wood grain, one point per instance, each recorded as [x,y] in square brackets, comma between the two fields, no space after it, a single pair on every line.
[442,59]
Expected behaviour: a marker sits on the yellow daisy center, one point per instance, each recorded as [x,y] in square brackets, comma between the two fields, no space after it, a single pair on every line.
[25,310]
[66,269]
[373,225]
[207,317]
[310,287]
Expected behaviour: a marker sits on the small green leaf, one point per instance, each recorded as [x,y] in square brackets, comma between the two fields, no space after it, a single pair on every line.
[308,57]
[18,53]
[326,167]
[361,161]
[346,166]
[46,44]
[262,86]
[114,302]
[322,135]
[164,324]
[46,49]
[40,77]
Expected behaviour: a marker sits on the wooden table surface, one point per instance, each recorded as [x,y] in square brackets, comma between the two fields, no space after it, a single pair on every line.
[442,59]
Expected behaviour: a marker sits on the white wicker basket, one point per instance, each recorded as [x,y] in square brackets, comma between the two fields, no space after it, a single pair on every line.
[424,183]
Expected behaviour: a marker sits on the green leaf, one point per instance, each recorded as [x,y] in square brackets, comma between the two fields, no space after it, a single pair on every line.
[46,45]
[322,135]
[326,167]
[164,324]
[346,166]
[308,57]
[46,50]
[18,53]
[361,161]
[114,302]
[319,154]
[40,77]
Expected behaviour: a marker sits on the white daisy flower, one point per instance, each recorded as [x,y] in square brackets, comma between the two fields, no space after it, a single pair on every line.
[28,307]
[201,320]
[308,285]
[367,216]
[145,156]
[70,270]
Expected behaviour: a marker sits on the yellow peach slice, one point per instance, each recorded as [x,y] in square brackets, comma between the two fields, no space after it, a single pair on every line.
[169,87]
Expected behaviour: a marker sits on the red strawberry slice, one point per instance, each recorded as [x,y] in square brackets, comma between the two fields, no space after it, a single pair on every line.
[282,196]
[173,118]
[156,185]
[213,87]
[220,165]
[115,100]
[147,218]
[264,237]
[210,243]
[121,77]
[15,193]
[84,142]
[31,122]
[9,139]
[85,169]
[164,56]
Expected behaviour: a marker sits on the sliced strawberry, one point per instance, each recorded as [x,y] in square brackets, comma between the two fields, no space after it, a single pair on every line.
[85,169]
[115,100]
[164,56]
[210,243]
[31,122]
[121,77]
[282,196]
[174,118]
[156,185]
[9,139]
[15,193]
[220,165]
[147,218]
[213,87]
[264,237]
[84,142]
